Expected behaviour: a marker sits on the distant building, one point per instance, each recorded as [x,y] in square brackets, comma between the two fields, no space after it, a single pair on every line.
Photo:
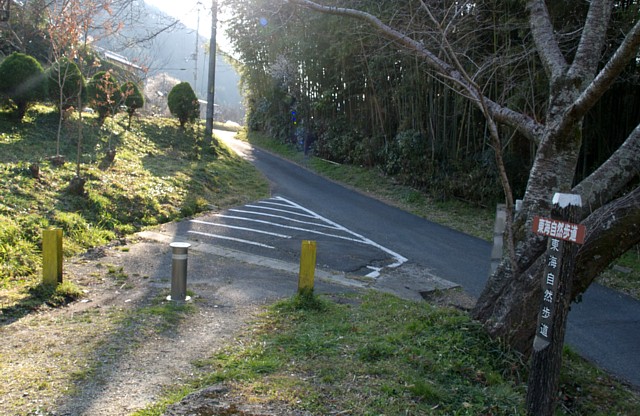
[203,109]
[110,56]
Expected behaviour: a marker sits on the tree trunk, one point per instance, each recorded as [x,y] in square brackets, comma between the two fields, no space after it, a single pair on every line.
[110,156]
[34,169]
[552,315]
[76,186]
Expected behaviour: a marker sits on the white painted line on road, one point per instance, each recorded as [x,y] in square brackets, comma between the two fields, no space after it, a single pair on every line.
[399,259]
[375,273]
[253,230]
[281,210]
[289,227]
[224,237]
[275,204]
[263,214]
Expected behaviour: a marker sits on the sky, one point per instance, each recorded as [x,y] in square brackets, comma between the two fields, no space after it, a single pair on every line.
[187,12]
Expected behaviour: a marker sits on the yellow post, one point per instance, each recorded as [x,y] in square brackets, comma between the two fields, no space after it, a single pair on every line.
[307,267]
[52,256]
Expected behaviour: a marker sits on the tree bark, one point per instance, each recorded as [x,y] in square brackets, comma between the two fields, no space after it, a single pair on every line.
[612,231]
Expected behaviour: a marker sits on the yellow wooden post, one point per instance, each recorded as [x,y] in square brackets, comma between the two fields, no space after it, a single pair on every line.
[307,267]
[52,256]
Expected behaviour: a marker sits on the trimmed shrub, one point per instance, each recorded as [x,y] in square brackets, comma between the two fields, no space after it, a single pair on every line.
[133,98]
[183,103]
[22,81]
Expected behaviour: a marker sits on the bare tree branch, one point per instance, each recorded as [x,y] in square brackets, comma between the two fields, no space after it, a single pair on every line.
[151,35]
[545,39]
[612,176]
[593,37]
[620,59]
[612,230]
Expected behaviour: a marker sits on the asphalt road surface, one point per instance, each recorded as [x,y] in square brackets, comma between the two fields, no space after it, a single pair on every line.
[275,228]
[604,327]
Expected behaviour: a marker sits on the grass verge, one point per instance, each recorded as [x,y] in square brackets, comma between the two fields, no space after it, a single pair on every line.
[374,354]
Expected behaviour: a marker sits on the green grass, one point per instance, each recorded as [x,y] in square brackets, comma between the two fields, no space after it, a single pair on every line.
[374,354]
[161,173]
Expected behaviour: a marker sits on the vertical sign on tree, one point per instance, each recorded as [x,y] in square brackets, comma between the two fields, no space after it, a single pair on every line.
[564,237]
[558,232]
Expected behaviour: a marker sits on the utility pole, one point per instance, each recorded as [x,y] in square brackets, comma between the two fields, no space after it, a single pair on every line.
[211,85]
[195,55]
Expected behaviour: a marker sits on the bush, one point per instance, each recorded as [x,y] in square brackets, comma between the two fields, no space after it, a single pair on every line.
[183,103]
[104,94]
[22,81]
[410,157]
[337,142]
[133,98]
[65,83]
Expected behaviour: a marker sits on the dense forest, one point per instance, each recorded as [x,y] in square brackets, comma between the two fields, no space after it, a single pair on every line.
[360,99]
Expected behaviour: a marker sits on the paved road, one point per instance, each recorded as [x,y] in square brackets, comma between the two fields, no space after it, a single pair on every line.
[427,244]
[275,228]
[604,327]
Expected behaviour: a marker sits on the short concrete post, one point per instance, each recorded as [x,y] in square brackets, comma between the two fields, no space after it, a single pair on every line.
[179,255]
[307,267]
[52,256]
[498,232]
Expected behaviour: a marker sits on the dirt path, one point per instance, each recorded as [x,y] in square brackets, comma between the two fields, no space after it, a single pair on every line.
[134,376]
[116,350]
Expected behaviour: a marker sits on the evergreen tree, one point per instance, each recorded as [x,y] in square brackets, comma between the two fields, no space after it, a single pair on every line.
[183,103]
[133,98]
[22,81]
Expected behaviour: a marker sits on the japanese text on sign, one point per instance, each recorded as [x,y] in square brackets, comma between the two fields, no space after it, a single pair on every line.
[553,261]
[567,231]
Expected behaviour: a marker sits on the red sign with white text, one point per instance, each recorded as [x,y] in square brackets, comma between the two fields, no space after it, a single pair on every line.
[567,231]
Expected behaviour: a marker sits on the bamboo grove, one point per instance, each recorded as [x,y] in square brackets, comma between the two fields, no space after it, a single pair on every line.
[331,82]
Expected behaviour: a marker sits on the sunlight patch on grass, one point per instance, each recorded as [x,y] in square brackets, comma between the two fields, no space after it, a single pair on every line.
[160,173]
